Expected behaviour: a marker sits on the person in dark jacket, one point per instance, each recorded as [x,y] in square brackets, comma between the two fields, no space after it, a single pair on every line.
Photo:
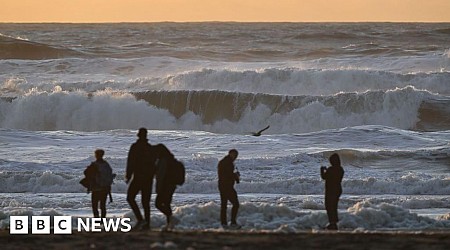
[165,184]
[333,177]
[139,174]
[227,178]
[100,177]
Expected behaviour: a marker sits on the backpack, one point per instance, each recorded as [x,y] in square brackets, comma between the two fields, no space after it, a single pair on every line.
[89,177]
[179,172]
[104,176]
[85,183]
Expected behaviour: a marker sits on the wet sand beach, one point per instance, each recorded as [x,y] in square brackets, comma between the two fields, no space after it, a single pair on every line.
[230,240]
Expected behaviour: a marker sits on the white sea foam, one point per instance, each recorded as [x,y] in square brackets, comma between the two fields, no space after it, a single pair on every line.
[77,111]
[262,79]
[293,81]
[264,216]
[206,183]
[409,163]
[384,215]
[106,110]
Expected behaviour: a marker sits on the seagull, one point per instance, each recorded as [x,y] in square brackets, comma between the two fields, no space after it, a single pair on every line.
[259,132]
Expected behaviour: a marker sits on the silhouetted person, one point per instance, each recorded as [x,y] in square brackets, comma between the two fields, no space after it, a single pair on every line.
[227,178]
[100,177]
[165,184]
[333,177]
[259,132]
[139,174]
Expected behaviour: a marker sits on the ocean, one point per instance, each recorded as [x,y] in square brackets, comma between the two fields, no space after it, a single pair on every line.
[378,94]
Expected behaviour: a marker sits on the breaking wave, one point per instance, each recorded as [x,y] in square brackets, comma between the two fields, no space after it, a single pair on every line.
[223,112]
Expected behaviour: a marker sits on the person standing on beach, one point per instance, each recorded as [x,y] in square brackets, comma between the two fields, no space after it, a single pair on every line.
[139,174]
[333,177]
[167,179]
[227,178]
[100,177]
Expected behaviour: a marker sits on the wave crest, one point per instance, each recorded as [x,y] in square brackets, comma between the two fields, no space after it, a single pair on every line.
[223,112]
[11,48]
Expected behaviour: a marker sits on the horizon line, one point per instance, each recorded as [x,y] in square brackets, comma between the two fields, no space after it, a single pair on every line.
[136,22]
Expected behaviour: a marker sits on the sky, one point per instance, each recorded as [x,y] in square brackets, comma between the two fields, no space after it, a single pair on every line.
[93,11]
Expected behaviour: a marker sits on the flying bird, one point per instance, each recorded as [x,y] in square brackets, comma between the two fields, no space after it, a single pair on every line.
[259,132]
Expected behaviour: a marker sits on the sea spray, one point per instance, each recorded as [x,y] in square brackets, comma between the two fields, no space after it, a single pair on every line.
[215,111]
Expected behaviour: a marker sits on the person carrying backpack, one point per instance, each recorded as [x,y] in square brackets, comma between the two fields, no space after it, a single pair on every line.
[100,177]
[170,173]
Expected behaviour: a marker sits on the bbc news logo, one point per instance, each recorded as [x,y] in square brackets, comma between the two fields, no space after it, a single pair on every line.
[63,225]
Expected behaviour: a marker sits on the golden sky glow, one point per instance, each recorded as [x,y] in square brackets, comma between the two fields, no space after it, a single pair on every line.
[224,10]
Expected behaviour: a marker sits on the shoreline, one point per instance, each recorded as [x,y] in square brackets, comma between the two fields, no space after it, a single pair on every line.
[193,239]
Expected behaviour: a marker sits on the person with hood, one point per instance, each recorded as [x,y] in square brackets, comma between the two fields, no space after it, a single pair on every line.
[333,177]
[100,177]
